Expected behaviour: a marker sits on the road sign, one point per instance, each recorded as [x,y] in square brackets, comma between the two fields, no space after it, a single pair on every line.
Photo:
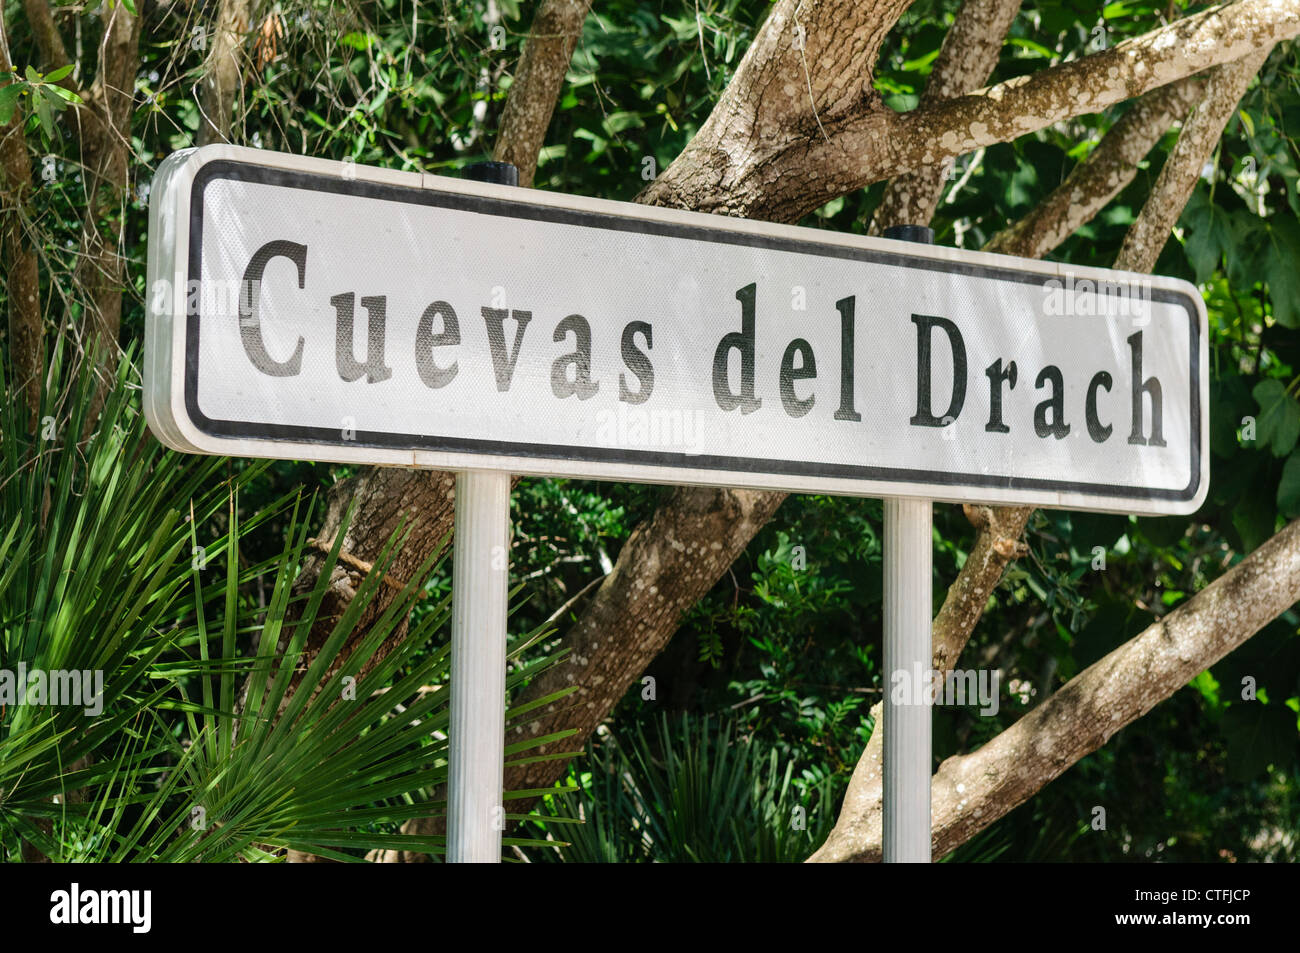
[321,310]
[318,310]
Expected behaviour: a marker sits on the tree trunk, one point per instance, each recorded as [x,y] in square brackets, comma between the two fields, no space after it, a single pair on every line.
[538,81]
[223,76]
[18,253]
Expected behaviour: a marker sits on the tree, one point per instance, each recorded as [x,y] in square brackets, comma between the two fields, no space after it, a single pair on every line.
[802,122]
[769,151]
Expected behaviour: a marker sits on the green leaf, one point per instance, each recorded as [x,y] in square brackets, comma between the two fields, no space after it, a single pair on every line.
[51,96]
[1039,50]
[1209,234]
[8,101]
[902,102]
[1254,520]
[1208,687]
[1245,248]
[45,114]
[620,121]
[1279,417]
[1281,266]
[1231,401]
[358,41]
[1247,122]
[1097,529]
[1288,490]
[58,74]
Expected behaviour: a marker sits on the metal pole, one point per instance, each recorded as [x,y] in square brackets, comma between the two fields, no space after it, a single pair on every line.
[479,581]
[908,551]
[479,578]
[498,173]
[907,748]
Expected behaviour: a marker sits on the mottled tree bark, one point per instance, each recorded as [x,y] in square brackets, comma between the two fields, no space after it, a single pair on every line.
[767,152]
[539,78]
[1108,170]
[968,56]
[105,131]
[18,254]
[223,76]
[973,790]
[1224,87]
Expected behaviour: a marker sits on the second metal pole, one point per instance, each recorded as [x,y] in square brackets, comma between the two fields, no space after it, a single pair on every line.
[908,553]
[479,581]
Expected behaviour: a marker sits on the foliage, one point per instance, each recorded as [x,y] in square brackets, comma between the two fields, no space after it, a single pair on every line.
[685,790]
[102,571]
[787,646]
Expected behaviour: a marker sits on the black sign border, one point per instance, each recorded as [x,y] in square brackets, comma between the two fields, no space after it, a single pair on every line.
[317,182]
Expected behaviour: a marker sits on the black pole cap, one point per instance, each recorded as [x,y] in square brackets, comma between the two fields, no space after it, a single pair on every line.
[498,173]
[911,233]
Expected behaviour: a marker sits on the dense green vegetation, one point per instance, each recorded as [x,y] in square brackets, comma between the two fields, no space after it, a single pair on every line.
[761,703]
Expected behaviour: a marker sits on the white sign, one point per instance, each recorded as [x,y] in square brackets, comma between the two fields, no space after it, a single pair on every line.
[301,308]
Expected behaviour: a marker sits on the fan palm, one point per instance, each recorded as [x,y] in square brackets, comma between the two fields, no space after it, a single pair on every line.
[101,571]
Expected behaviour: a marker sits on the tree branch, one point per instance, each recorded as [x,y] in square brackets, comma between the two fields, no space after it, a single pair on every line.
[973,790]
[752,161]
[806,77]
[49,41]
[660,555]
[538,80]
[857,832]
[759,153]
[1215,36]
[665,568]
[1106,172]
[224,76]
[1224,89]
[969,54]
[18,253]
[105,124]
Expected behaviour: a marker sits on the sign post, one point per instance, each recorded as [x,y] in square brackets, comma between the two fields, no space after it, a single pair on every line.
[479,607]
[908,571]
[908,563]
[305,309]
[475,814]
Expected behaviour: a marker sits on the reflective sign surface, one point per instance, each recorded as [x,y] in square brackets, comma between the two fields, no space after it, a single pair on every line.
[309,309]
